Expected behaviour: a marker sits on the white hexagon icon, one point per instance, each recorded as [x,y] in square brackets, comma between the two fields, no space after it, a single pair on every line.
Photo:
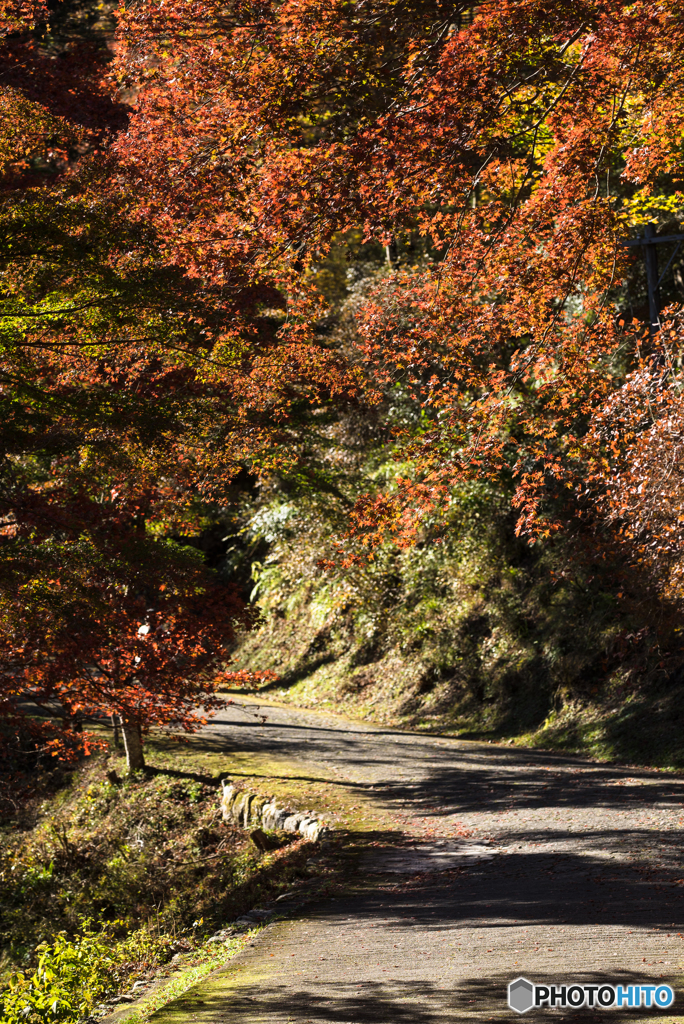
[521,995]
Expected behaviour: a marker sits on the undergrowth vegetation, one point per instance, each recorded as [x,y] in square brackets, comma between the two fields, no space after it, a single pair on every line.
[464,627]
[469,631]
[108,878]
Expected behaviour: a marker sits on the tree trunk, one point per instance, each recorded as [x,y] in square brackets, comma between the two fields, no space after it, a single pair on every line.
[132,738]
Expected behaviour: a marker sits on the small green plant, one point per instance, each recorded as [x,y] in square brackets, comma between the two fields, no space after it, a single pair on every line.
[72,976]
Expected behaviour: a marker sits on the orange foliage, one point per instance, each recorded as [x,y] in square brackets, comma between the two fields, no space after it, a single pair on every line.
[182,338]
[241,677]
[509,136]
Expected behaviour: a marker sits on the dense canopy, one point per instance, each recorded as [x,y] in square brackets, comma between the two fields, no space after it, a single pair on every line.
[187,188]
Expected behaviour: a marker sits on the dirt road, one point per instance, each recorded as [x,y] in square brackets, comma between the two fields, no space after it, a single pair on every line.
[513,863]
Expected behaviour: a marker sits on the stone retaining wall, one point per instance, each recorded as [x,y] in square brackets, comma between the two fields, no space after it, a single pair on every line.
[253,811]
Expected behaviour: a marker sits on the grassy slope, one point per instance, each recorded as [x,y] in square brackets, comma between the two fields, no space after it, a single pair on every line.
[149,859]
[473,634]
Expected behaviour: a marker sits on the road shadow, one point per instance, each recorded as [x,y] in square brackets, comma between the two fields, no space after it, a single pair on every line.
[413,1003]
[449,776]
[563,886]
[529,889]
[223,1000]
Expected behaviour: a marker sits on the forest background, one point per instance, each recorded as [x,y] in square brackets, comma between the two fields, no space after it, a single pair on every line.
[325,367]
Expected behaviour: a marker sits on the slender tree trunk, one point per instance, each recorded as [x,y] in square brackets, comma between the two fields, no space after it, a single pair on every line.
[132,738]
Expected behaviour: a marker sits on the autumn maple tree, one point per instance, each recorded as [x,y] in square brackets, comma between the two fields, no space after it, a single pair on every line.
[520,143]
[103,406]
[165,217]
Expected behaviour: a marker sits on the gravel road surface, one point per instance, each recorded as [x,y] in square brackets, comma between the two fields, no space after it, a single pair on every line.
[512,863]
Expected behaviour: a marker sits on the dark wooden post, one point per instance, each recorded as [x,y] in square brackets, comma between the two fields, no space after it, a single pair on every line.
[648,242]
[652,282]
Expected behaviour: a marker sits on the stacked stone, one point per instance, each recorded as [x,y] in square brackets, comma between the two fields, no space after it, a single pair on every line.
[253,811]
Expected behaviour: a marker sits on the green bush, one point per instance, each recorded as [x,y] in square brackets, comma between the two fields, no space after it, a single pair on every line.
[72,976]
